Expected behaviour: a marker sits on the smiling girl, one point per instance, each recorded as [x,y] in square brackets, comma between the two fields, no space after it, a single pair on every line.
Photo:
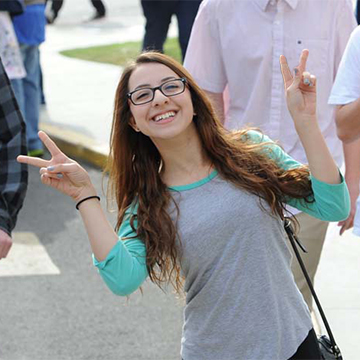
[202,208]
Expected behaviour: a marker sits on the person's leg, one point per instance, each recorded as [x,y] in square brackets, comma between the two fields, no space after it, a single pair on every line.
[186,12]
[100,7]
[158,17]
[357,11]
[312,235]
[41,84]
[17,85]
[309,348]
[31,87]
[56,6]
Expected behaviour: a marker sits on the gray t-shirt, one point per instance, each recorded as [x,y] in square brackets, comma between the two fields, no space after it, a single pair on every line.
[241,299]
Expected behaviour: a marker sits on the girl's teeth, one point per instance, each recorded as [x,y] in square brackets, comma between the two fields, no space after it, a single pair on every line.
[164,116]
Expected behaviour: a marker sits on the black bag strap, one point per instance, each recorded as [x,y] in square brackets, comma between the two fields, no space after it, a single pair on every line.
[293,238]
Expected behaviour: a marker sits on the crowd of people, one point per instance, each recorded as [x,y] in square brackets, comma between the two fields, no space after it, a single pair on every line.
[208,159]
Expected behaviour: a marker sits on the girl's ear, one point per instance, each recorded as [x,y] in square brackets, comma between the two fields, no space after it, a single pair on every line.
[132,123]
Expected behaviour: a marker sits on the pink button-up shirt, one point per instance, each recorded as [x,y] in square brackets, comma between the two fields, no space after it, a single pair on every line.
[237,44]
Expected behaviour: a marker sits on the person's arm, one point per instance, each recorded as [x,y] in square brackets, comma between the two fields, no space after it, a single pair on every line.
[121,264]
[348,121]
[119,260]
[329,202]
[345,92]
[217,101]
[67,176]
[352,178]
[14,176]
[124,269]
[205,44]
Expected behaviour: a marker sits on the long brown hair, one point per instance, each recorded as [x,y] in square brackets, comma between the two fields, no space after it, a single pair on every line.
[135,177]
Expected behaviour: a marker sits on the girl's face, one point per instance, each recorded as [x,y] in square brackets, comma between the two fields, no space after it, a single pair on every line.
[165,117]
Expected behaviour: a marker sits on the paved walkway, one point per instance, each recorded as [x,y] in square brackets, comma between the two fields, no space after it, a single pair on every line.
[78,115]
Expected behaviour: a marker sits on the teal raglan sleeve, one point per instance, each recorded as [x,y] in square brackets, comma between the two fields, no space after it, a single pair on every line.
[331,201]
[124,269]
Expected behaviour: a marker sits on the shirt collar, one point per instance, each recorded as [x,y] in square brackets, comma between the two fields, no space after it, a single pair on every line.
[264,3]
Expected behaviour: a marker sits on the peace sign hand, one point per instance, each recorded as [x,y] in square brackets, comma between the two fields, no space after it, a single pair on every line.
[61,172]
[300,90]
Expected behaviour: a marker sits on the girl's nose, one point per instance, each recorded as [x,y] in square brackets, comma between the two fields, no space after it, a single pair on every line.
[159,98]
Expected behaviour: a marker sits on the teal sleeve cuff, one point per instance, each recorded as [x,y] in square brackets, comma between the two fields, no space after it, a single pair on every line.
[124,269]
[333,200]
[330,202]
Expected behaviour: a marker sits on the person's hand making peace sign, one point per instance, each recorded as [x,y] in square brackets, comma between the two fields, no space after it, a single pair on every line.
[300,89]
[61,173]
[300,93]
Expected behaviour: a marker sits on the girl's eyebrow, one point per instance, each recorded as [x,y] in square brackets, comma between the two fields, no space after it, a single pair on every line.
[162,80]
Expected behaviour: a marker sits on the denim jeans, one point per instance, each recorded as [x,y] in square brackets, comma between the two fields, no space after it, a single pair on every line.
[27,92]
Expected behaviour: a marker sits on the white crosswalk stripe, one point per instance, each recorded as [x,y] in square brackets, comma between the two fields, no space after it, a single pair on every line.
[27,257]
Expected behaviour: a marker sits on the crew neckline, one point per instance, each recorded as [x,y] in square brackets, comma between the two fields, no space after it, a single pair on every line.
[194,184]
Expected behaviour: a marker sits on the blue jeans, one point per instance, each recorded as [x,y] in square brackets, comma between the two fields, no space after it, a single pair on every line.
[27,92]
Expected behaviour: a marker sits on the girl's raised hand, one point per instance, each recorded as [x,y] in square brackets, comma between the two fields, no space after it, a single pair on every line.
[300,89]
[61,172]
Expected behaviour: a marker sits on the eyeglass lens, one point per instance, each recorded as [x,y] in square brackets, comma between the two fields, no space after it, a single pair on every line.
[169,88]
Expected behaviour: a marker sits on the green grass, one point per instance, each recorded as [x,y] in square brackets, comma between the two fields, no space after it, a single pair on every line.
[120,54]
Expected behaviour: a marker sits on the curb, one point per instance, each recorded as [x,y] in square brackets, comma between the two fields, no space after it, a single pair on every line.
[77,145]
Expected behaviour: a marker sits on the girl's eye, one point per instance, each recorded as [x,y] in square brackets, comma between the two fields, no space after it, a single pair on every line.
[141,95]
[171,87]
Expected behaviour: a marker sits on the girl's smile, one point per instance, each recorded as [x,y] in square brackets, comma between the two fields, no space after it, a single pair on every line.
[164,117]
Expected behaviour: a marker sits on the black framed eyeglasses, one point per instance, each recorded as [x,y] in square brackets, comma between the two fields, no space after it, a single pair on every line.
[168,88]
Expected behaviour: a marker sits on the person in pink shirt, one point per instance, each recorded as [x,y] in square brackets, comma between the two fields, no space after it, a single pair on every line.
[234,49]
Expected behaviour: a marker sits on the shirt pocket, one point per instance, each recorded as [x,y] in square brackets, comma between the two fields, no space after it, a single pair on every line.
[317,63]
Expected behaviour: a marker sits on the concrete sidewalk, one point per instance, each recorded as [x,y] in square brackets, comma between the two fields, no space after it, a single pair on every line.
[78,116]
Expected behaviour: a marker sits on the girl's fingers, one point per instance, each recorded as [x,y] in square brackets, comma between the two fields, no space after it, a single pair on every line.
[312,80]
[303,59]
[49,181]
[306,78]
[34,161]
[44,171]
[62,168]
[286,73]
[50,145]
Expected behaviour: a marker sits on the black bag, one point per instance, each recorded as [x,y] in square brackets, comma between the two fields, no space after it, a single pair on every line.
[328,348]
[13,7]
